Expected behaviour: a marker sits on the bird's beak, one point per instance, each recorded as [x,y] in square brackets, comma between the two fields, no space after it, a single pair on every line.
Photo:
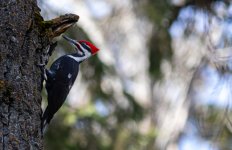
[74,43]
[69,39]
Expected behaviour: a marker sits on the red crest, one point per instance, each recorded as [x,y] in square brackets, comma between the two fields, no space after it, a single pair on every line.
[93,48]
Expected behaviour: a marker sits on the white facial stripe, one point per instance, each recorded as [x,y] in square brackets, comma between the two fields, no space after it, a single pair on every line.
[82,47]
[87,54]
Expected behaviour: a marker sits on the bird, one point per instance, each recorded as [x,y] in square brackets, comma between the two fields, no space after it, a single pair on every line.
[61,76]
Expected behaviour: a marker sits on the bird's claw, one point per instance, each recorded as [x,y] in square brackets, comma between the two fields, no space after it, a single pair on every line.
[43,69]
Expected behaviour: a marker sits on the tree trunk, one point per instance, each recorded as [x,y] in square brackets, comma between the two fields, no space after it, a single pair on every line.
[24,40]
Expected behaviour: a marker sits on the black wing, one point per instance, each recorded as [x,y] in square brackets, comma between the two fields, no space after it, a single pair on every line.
[64,72]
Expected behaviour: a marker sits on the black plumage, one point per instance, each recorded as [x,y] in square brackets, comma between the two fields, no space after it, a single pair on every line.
[62,75]
[60,78]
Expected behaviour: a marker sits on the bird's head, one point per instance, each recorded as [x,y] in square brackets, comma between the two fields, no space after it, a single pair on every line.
[82,46]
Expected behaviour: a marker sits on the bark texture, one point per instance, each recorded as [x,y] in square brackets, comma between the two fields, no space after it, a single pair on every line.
[21,45]
[25,41]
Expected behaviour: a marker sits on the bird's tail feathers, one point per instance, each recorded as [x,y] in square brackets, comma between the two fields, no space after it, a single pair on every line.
[44,122]
[44,126]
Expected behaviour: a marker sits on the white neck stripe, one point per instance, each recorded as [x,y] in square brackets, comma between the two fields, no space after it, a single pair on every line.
[87,54]
[77,59]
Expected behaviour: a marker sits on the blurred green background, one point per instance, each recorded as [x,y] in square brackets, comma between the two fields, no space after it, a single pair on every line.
[160,81]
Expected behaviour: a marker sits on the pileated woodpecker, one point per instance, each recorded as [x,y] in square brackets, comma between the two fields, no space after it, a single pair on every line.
[62,74]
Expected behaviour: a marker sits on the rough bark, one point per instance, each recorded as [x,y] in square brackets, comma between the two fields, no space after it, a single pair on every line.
[24,41]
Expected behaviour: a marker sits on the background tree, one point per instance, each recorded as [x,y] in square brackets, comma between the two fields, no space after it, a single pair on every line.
[160,81]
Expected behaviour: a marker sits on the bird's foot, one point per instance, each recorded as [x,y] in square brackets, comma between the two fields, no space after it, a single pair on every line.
[43,69]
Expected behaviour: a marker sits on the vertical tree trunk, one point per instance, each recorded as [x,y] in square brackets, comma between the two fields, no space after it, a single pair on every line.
[24,42]
[21,46]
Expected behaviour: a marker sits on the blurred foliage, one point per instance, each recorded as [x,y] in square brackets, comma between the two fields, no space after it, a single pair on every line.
[161,13]
[209,121]
[86,128]
[119,128]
